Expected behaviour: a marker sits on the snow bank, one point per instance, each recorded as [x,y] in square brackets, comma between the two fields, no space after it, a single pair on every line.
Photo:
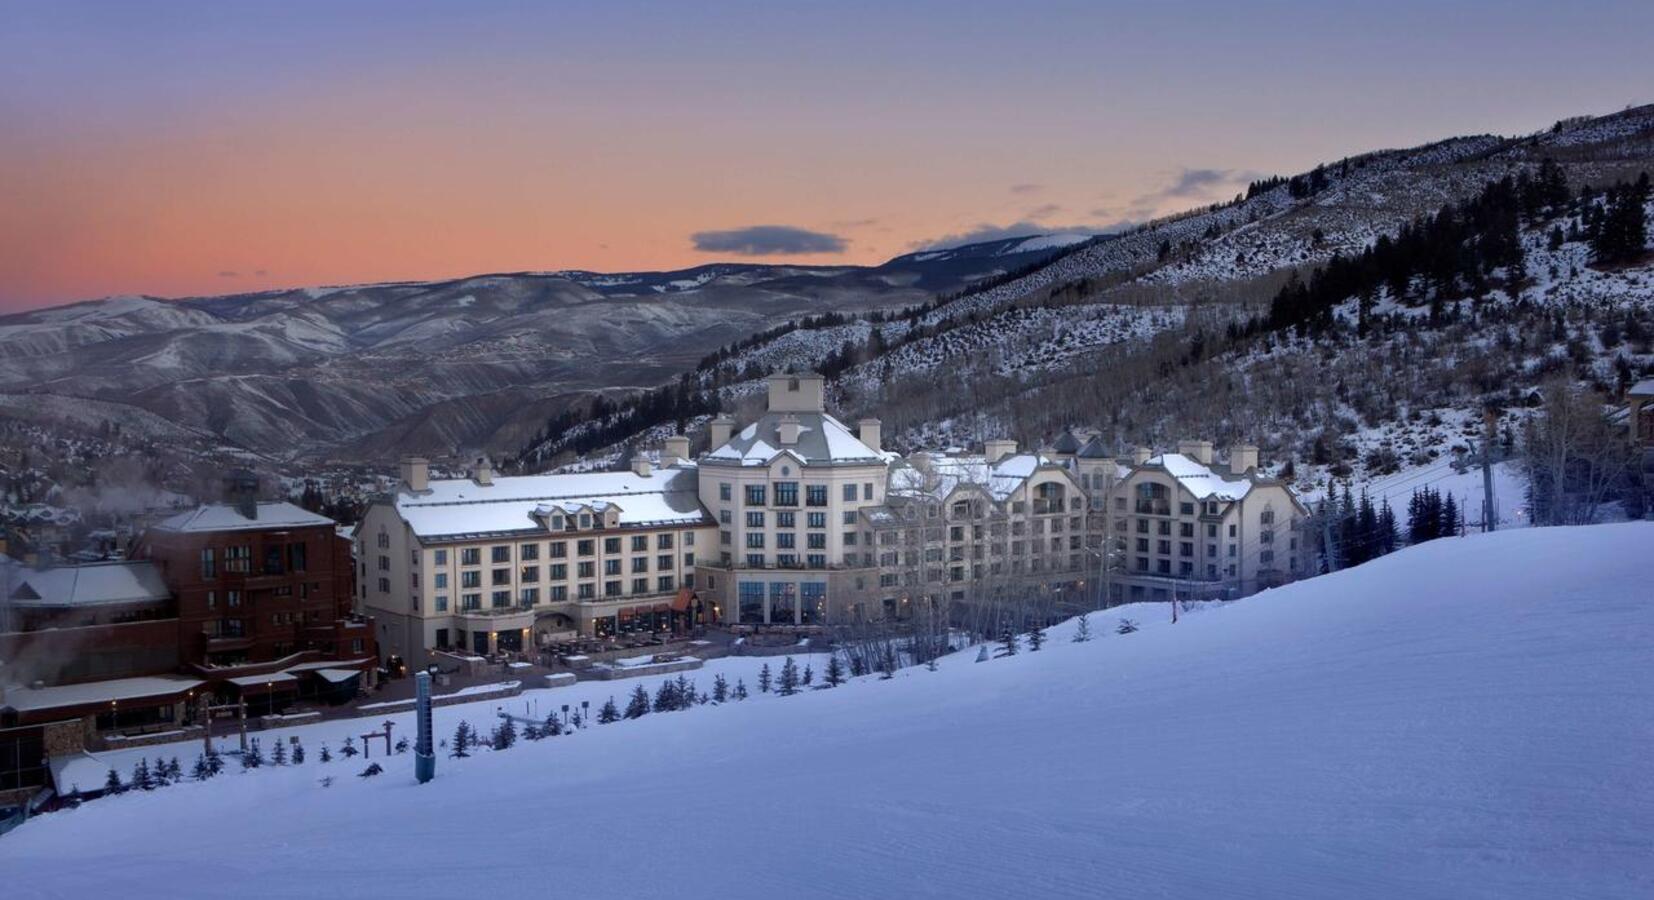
[1467,718]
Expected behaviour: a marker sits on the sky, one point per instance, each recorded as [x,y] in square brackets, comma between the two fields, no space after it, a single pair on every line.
[180,149]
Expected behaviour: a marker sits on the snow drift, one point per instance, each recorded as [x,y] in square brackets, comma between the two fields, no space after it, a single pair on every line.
[1465,718]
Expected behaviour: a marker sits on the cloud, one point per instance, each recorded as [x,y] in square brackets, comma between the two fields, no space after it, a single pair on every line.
[1198,183]
[856,223]
[1027,188]
[768,240]
[260,272]
[226,273]
[1044,211]
[987,231]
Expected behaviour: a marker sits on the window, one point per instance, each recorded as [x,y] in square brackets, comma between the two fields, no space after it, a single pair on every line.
[611,567]
[817,540]
[723,517]
[689,539]
[587,570]
[611,545]
[1186,529]
[232,598]
[470,601]
[640,564]
[663,583]
[786,540]
[559,593]
[640,543]
[849,517]
[850,492]
[472,579]
[470,556]
[442,557]
[816,520]
[1186,548]
[785,519]
[640,585]
[750,603]
[238,559]
[528,552]
[816,560]
[559,571]
[441,580]
[755,495]
[815,495]
[755,560]
[663,541]
[441,603]
[611,588]
[1185,509]
[867,491]
[786,493]
[530,596]
[529,573]
[688,559]
[755,520]
[664,562]
[384,563]
[724,538]
[209,567]
[587,591]
[500,554]
[501,599]
[723,491]
[755,540]
[559,549]
[586,547]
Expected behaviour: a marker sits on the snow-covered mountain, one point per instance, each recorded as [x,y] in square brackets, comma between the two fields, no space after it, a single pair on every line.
[1467,718]
[1164,331]
[370,371]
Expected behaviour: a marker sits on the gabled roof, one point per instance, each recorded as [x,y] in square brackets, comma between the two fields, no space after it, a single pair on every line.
[1094,449]
[460,507]
[226,517]
[1644,388]
[1066,442]
[822,440]
[938,475]
[1201,480]
[88,584]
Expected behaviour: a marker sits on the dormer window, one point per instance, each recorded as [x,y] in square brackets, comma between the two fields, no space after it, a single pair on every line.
[557,523]
[792,384]
[585,520]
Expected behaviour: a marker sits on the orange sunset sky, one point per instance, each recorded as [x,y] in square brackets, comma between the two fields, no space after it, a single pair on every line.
[186,149]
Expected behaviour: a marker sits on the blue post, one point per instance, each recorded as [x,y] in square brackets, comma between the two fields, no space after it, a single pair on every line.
[424,747]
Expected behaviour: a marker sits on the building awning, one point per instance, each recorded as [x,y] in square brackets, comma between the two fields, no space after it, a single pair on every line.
[272,680]
[683,599]
[338,676]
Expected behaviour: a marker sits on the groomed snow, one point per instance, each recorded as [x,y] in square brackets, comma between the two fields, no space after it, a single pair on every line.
[1469,718]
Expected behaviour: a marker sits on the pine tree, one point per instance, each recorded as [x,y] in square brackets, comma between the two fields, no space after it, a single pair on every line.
[460,745]
[789,678]
[553,726]
[278,756]
[1126,626]
[809,675]
[326,756]
[159,771]
[764,679]
[349,749]
[141,778]
[835,671]
[534,731]
[1007,644]
[199,771]
[1082,630]
[609,713]
[505,735]
[215,762]
[666,699]
[112,784]
[638,706]
[372,770]
[740,689]
[298,754]
[1036,637]
[720,688]
[402,744]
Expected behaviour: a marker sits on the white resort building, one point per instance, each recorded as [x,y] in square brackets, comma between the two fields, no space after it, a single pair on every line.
[796,519]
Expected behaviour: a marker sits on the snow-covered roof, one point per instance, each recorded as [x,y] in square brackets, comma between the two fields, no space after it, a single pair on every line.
[460,507]
[253,681]
[1094,449]
[1644,388]
[87,584]
[116,690]
[1201,480]
[822,440]
[1066,442]
[937,475]
[226,517]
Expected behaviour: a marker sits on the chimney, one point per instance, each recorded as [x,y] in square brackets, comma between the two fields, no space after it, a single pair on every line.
[996,450]
[1199,451]
[868,432]
[787,430]
[803,392]
[673,450]
[416,474]
[640,466]
[483,474]
[1243,458]
[241,491]
[720,430]
[1140,455]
